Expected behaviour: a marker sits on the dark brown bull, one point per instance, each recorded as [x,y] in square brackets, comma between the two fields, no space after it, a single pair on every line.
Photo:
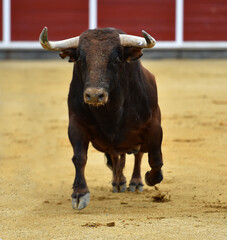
[112,104]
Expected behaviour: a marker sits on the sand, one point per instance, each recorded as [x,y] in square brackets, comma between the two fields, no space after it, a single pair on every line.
[36,171]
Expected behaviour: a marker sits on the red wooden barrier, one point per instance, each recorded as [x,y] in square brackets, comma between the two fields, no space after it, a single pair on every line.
[0,20]
[63,18]
[205,20]
[157,17]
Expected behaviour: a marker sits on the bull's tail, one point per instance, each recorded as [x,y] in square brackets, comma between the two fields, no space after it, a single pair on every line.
[109,161]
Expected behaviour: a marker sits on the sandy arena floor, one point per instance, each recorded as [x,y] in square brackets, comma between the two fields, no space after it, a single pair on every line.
[36,172]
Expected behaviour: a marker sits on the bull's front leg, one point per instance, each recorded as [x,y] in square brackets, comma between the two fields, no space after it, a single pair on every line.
[155,157]
[79,141]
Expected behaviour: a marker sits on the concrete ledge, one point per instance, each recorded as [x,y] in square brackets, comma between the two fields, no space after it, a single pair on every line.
[148,54]
[181,54]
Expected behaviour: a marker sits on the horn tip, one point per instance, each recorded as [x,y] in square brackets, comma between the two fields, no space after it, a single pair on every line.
[43,38]
[150,40]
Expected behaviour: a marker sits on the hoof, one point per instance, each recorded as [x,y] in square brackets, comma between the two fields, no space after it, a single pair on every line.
[122,187]
[118,188]
[140,187]
[153,177]
[115,189]
[134,186]
[80,201]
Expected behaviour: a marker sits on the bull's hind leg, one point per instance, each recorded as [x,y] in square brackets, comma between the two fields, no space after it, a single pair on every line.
[109,161]
[155,157]
[136,180]
[80,195]
[119,181]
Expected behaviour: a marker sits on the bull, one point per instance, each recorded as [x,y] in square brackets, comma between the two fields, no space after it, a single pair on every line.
[113,104]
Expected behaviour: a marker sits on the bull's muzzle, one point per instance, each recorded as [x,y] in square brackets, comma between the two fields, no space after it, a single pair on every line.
[95,96]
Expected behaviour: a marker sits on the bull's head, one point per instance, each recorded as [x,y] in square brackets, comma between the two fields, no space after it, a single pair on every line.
[99,55]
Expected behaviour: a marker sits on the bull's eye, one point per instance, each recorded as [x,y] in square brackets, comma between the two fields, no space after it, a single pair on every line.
[116,61]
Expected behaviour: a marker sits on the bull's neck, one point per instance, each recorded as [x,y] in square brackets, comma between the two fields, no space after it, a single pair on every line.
[113,109]
[109,118]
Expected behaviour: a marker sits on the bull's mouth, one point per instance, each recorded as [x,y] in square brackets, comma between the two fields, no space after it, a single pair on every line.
[95,104]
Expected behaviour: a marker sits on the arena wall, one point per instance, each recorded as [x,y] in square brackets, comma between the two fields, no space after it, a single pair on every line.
[175,24]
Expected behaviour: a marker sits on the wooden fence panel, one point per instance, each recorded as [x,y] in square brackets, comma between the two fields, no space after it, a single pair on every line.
[157,17]
[205,20]
[63,18]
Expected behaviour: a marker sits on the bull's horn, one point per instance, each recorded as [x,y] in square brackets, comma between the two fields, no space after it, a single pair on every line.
[57,45]
[139,42]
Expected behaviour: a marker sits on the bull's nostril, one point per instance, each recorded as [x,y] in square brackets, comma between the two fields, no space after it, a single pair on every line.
[101,97]
[88,96]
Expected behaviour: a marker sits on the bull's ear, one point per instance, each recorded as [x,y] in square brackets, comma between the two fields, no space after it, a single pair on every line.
[71,53]
[132,53]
